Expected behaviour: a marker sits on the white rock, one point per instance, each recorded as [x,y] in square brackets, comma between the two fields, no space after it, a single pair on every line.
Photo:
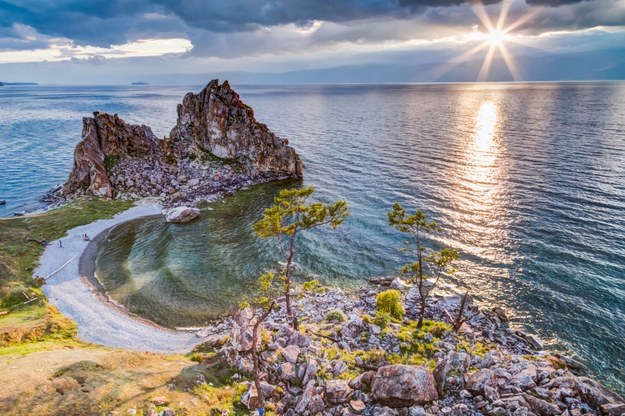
[181,214]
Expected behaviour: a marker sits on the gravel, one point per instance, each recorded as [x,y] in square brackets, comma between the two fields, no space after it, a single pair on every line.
[99,320]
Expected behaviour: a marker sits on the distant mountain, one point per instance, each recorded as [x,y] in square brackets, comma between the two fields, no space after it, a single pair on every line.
[587,66]
[139,83]
[17,83]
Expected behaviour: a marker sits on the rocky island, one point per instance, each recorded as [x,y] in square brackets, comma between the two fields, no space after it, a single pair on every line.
[216,147]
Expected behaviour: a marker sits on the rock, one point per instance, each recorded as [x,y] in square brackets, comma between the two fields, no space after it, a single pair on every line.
[242,330]
[290,353]
[613,409]
[363,381]
[403,385]
[218,122]
[400,285]
[384,411]
[452,366]
[306,401]
[215,132]
[337,391]
[526,378]
[159,401]
[491,394]
[501,313]
[180,215]
[250,398]
[287,371]
[105,139]
[357,406]
[167,412]
[542,407]
[594,393]
[477,381]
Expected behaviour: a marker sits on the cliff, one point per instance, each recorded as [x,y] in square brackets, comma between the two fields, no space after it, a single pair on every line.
[216,146]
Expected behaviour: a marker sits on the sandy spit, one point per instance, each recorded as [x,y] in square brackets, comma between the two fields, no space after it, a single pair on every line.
[100,321]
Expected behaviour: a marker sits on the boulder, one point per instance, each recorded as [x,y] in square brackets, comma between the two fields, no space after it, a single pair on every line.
[594,393]
[180,215]
[403,385]
[337,391]
[290,353]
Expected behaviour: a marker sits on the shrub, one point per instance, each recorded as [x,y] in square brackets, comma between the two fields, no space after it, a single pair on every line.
[336,316]
[382,319]
[389,301]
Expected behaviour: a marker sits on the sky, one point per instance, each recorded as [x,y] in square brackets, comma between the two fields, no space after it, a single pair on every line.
[118,41]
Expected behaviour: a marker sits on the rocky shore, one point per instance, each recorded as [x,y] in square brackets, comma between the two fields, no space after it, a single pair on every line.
[215,148]
[340,362]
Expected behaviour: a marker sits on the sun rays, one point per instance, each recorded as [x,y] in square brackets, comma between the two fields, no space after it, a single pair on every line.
[494,40]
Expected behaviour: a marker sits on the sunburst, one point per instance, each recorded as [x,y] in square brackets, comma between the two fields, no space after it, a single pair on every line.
[495,39]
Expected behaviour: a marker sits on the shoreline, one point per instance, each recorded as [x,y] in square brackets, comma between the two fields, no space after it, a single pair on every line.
[99,320]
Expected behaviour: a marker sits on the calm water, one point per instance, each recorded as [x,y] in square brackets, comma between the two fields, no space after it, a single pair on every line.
[527,179]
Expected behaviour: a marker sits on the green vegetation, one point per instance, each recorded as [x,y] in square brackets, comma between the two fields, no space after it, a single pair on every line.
[417,226]
[109,162]
[389,302]
[336,316]
[290,215]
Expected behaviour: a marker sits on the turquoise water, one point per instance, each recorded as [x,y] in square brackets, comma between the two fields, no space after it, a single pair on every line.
[528,180]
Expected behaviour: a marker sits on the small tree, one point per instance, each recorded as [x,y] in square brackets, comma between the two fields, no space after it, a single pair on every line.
[417,226]
[263,305]
[290,215]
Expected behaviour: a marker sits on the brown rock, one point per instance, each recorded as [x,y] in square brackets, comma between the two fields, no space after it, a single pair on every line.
[403,385]
[338,391]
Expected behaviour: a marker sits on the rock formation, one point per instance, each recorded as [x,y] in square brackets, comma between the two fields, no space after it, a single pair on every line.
[217,146]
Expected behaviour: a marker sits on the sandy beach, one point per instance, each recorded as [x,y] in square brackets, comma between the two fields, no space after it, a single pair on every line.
[100,321]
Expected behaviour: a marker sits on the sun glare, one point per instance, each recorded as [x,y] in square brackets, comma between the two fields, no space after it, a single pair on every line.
[494,40]
[496,37]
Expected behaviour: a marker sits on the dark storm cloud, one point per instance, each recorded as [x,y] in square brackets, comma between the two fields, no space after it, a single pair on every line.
[230,28]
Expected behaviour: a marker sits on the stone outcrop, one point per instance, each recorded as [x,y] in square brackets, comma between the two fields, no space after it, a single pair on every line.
[216,147]
[105,139]
[217,122]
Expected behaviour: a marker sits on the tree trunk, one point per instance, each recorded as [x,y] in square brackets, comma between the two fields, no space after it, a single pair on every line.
[422,311]
[459,318]
[287,284]
[256,369]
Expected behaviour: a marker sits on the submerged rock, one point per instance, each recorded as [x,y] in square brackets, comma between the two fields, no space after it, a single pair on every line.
[181,215]
[217,146]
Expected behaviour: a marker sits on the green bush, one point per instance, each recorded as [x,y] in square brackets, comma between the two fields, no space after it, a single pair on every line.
[336,316]
[389,301]
[381,319]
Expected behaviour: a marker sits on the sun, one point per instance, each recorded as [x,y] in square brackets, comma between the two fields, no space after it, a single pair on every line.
[496,37]
[498,34]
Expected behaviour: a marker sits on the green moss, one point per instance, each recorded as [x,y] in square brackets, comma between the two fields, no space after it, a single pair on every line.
[389,302]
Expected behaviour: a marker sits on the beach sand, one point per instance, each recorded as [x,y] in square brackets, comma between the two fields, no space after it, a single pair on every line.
[74,294]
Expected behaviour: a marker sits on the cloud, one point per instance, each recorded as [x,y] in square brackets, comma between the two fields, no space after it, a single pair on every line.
[236,28]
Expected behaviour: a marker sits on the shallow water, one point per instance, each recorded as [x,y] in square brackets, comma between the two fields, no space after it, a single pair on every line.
[527,179]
